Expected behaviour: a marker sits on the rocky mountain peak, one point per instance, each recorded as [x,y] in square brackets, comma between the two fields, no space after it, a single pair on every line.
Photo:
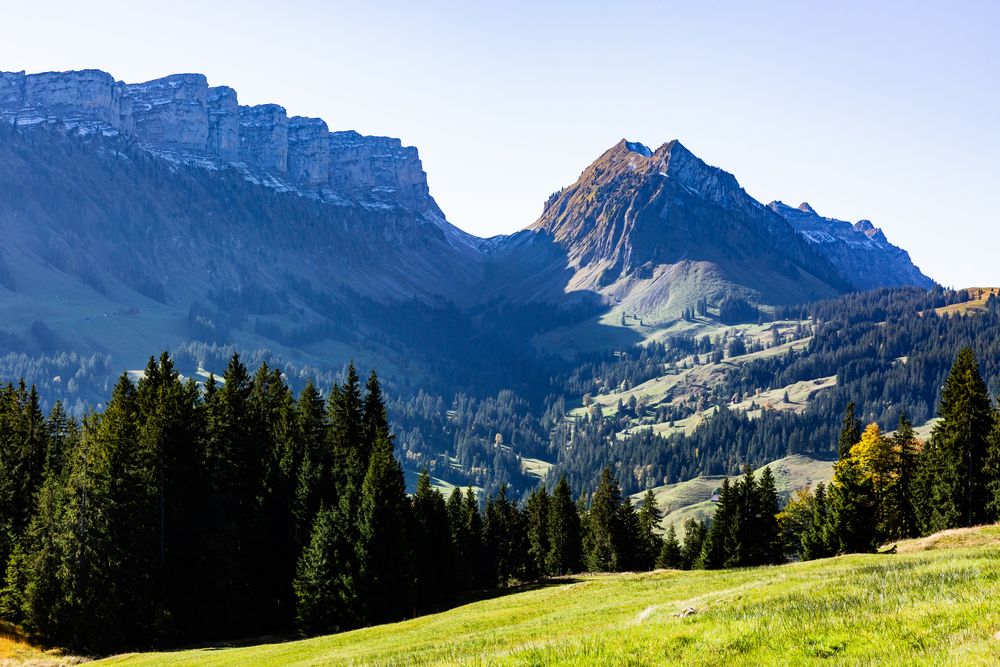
[806,208]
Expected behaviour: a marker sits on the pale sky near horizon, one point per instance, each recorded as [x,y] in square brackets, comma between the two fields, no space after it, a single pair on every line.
[887,112]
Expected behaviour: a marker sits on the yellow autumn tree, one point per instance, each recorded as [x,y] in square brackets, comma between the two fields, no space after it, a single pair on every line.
[876,456]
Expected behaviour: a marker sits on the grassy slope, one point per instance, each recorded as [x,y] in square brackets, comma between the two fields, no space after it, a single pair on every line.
[922,607]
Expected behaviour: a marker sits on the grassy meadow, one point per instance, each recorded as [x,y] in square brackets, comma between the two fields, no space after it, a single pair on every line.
[935,602]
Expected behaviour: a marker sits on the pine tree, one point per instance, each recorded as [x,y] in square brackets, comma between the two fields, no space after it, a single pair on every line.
[816,538]
[318,605]
[850,432]
[767,535]
[955,459]
[564,556]
[383,550]
[433,556]
[906,522]
[670,556]
[852,508]
[695,533]
[715,550]
[605,539]
[650,544]
[537,517]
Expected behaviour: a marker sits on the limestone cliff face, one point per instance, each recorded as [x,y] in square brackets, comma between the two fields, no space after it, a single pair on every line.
[172,112]
[378,169]
[183,119]
[264,137]
[70,97]
[223,123]
[308,151]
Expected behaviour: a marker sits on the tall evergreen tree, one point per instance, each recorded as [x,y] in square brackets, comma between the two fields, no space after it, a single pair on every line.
[767,535]
[383,551]
[695,533]
[955,459]
[906,523]
[715,551]
[850,432]
[670,556]
[565,548]
[433,555]
[650,544]
[605,543]
[816,541]
[537,517]
[852,509]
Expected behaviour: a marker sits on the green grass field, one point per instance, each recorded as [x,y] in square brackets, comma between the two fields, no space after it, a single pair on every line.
[934,603]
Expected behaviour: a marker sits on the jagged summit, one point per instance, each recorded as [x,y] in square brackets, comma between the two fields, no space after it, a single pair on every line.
[860,250]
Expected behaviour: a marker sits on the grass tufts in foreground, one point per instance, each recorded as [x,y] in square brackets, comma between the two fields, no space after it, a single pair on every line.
[936,602]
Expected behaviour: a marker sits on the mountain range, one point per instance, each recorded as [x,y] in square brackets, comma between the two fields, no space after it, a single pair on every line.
[164,214]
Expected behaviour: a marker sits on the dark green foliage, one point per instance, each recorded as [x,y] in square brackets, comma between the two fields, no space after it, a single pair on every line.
[505,539]
[817,538]
[649,544]
[695,534]
[852,510]
[384,558]
[565,547]
[537,517]
[607,531]
[850,432]
[670,556]
[431,541]
[744,529]
[955,461]
[905,489]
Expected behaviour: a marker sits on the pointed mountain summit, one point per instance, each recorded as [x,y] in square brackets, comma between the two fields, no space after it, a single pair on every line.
[655,232]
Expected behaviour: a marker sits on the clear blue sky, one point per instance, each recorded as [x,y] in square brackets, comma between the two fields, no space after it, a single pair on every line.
[890,113]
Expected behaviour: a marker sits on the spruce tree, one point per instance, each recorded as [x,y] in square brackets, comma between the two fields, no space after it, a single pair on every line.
[906,523]
[671,556]
[537,517]
[852,509]
[383,550]
[767,535]
[650,544]
[955,459]
[565,549]
[318,605]
[430,539]
[695,533]
[850,432]
[816,537]
[605,538]
[715,550]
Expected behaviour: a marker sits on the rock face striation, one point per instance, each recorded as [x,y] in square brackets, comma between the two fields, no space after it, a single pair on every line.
[184,119]
[859,250]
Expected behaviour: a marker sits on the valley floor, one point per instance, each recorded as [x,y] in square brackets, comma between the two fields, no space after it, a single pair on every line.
[932,603]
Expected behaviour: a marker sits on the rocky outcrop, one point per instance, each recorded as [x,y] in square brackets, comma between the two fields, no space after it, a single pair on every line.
[378,170]
[264,138]
[85,96]
[860,250]
[308,151]
[223,123]
[172,112]
[183,119]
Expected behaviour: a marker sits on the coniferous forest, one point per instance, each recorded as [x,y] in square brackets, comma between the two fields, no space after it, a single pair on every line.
[182,513]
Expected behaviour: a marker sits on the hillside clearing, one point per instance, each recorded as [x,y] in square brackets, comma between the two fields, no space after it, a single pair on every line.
[927,607]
